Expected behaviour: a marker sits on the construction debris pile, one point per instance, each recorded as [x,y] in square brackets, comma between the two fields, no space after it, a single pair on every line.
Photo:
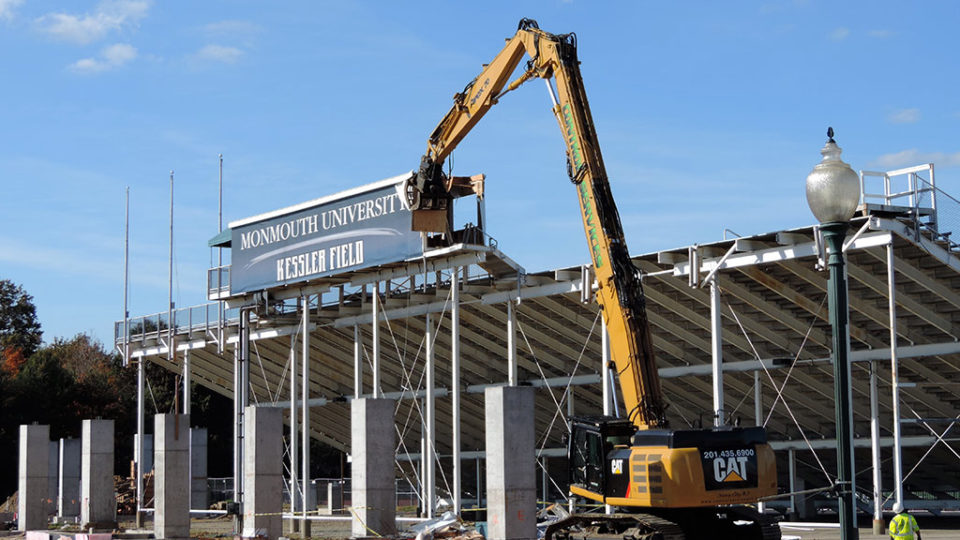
[126,489]
[448,527]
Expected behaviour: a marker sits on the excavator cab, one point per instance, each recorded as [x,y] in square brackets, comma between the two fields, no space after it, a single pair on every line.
[613,462]
[593,440]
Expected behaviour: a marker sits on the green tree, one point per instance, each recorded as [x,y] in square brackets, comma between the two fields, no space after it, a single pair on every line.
[19,327]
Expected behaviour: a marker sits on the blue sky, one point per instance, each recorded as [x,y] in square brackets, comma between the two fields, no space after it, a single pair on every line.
[709,114]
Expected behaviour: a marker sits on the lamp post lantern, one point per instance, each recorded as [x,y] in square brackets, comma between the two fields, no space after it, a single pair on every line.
[833,192]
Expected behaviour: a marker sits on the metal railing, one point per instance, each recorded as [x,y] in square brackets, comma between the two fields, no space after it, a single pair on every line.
[947,219]
[218,281]
[206,317]
[915,190]
[188,320]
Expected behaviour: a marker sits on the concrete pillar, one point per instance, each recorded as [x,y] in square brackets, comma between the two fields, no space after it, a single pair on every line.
[98,501]
[511,463]
[68,495]
[374,491]
[262,472]
[53,477]
[171,483]
[199,491]
[34,470]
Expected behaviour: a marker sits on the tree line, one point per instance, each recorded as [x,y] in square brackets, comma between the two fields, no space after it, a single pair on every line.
[68,380]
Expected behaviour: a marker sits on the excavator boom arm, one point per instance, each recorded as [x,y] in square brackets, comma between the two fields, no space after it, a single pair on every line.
[620,293]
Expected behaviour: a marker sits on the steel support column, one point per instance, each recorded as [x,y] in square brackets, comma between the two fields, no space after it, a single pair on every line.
[511,344]
[544,478]
[305,423]
[758,412]
[875,453]
[792,471]
[357,363]
[186,410]
[422,466]
[186,382]
[894,378]
[757,398]
[479,489]
[716,346]
[294,431]
[430,439]
[375,314]
[237,425]
[140,436]
[455,383]
[243,363]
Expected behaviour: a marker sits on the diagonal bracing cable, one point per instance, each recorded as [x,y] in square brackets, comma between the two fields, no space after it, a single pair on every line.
[567,389]
[263,373]
[780,390]
[409,384]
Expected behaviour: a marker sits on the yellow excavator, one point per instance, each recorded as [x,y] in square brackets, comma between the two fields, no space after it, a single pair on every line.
[667,484]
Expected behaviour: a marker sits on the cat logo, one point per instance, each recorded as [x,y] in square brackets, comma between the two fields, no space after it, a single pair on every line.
[616,466]
[730,469]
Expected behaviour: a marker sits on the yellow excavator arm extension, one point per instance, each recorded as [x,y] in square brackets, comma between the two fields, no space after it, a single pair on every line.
[620,294]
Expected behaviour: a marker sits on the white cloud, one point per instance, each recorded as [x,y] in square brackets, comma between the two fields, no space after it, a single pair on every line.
[110,57]
[109,16]
[231,28]
[881,34]
[219,53]
[7,7]
[913,156]
[904,116]
[840,34]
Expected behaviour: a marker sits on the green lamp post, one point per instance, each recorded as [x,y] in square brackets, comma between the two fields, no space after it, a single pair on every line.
[833,192]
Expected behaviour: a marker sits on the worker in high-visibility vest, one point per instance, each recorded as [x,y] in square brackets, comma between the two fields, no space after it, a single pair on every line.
[903,526]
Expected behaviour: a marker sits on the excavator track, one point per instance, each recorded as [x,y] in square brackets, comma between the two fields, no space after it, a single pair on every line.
[731,524]
[614,527]
[725,523]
